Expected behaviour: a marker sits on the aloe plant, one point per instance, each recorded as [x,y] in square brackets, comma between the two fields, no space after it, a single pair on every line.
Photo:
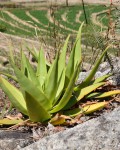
[51,87]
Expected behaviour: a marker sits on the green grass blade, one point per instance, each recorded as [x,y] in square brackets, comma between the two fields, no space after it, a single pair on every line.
[41,68]
[68,93]
[36,111]
[14,95]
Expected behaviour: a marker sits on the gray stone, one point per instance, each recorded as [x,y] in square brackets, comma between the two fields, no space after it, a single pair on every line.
[82,76]
[13,140]
[115,62]
[115,79]
[102,133]
[98,74]
[105,68]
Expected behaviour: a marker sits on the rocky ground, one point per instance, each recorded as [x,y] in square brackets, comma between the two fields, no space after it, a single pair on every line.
[102,133]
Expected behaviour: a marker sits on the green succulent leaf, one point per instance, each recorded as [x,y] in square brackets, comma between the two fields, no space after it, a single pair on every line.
[62,58]
[85,110]
[57,120]
[75,57]
[84,91]
[34,53]
[107,94]
[77,47]
[61,70]
[36,111]
[7,121]
[69,69]
[101,79]
[71,102]
[32,74]
[23,64]
[81,94]
[51,83]
[29,86]
[103,94]
[9,76]
[51,88]
[14,95]
[73,112]
[60,89]
[41,68]
[68,92]
[95,68]
[28,71]
[93,95]
[92,73]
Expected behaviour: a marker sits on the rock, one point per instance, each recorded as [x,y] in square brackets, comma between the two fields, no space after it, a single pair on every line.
[13,140]
[115,79]
[105,68]
[115,61]
[102,133]
[82,76]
